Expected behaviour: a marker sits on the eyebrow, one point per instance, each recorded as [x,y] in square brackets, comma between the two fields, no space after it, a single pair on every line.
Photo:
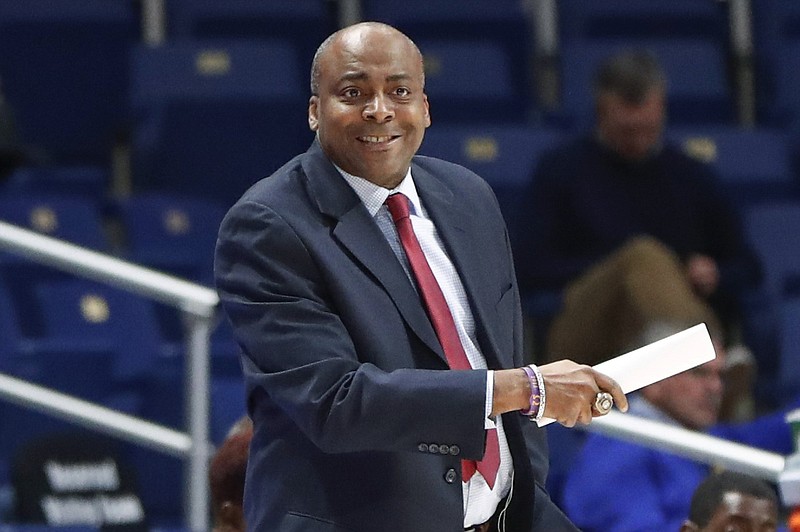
[358,76]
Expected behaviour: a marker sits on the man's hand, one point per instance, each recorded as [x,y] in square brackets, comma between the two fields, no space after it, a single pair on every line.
[571,390]
[703,274]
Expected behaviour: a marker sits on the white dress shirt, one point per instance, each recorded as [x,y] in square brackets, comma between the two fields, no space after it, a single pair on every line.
[480,501]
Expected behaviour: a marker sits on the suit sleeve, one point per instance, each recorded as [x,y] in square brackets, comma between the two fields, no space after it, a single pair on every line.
[285,308]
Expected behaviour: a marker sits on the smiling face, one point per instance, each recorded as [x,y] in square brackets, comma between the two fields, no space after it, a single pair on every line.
[370,112]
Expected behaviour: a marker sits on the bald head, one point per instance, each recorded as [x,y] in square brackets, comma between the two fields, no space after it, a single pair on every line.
[354,33]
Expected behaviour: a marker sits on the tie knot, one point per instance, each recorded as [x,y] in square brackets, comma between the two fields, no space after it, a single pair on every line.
[398,206]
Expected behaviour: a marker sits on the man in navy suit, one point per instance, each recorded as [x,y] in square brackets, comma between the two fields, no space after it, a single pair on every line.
[359,422]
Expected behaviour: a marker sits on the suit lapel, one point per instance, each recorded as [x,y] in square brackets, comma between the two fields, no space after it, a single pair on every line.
[359,234]
[458,230]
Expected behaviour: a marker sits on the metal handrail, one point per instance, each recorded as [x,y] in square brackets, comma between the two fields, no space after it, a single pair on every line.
[198,304]
[93,416]
[697,446]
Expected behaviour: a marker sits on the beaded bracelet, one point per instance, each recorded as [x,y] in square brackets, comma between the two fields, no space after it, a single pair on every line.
[542,392]
[535,399]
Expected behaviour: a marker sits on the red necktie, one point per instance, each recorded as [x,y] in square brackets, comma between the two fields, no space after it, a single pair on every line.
[443,324]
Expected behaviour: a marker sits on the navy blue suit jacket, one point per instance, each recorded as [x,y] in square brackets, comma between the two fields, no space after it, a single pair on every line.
[359,424]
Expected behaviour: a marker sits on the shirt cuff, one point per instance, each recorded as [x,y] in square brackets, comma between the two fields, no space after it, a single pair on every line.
[489,421]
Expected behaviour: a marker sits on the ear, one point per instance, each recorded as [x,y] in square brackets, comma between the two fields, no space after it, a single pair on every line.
[313,108]
[427,110]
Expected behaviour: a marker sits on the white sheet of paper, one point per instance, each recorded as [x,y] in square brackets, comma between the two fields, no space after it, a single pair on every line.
[657,361]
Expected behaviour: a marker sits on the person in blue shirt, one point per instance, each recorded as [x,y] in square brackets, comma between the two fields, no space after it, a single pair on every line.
[619,486]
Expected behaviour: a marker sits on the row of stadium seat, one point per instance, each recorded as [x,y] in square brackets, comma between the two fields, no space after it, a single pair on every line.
[479,62]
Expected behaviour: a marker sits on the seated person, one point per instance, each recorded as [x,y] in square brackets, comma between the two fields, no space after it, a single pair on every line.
[592,196]
[226,478]
[728,501]
[616,485]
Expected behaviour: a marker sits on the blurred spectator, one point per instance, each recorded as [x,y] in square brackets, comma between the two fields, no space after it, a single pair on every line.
[728,501]
[593,195]
[616,485]
[226,477]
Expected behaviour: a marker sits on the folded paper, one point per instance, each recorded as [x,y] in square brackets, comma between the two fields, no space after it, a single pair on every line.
[657,361]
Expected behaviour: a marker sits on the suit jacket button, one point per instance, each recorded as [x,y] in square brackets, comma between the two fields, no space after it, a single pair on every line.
[455,450]
[422,447]
[444,449]
[451,476]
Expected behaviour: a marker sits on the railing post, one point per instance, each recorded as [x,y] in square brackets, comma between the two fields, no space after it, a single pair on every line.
[197,393]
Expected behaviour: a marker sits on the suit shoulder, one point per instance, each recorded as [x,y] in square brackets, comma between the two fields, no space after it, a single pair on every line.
[273,189]
[449,172]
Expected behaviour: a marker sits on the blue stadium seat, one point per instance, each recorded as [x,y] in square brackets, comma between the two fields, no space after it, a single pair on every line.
[34,527]
[772,230]
[504,155]
[64,69]
[776,31]
[90,182]
[213,117]
[785,105]
[579,19]
[505,28]
[697,92]
[161,476]
[470,81]
[177,234]
[84,372]
[306,23]
[789,348]
[171,232]
[75,219]
[227,406]
[755,165]
[77,312]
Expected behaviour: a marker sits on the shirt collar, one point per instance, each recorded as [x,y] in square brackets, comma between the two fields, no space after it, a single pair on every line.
[373,196]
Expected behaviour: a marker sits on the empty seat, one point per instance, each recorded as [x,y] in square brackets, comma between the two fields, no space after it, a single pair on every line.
[470,81]
[579,19]
[772,230]
[504,155]
[784,105]
[227,406]
[776,28]
[214,117]
[36,527]
[75,219]
[64,69]
[171,232]
[504,27]
[90,182]
[789,347]
[306,23]
[698,91]
[754,165]
[76,312]
[161,476]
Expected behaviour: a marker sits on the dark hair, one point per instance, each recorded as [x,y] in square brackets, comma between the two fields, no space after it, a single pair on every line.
[708,495]
[227,470]
[631,74]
